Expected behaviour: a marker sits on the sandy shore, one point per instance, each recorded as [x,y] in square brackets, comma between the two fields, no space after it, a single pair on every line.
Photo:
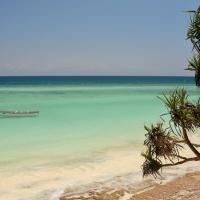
[186,187]
[176,183]
[182,188]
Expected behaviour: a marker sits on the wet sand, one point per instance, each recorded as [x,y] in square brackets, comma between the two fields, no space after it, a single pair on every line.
[186,187]
[176,183]
[183,188]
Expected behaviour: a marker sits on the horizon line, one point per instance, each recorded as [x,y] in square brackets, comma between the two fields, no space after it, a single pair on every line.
[94,76]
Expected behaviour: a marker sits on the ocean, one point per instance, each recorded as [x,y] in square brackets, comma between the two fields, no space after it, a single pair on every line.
[89,129]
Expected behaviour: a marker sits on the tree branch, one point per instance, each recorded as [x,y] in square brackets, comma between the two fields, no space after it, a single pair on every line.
[183,141]
[178,156]
[196,145]
[181,162]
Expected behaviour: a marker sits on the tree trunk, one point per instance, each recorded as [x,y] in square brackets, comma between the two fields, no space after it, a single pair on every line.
[197,79]
[187,141]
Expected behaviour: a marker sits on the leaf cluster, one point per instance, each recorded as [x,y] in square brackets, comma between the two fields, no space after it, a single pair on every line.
[164,144]
[151,166]
[194,64]
[183,113]
[160,144]
[193,32]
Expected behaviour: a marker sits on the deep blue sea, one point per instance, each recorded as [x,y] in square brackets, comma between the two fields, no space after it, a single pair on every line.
[93,80]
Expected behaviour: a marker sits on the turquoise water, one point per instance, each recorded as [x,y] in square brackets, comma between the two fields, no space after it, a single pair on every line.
[74,119]
[76,122]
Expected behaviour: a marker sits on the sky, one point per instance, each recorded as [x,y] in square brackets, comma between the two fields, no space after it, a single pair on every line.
[95,37]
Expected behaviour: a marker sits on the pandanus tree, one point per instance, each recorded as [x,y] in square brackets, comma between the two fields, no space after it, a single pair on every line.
[165,140]
[193,34]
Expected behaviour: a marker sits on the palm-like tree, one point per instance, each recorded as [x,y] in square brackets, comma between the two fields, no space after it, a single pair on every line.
[194,65]
[193,34]
[164,144]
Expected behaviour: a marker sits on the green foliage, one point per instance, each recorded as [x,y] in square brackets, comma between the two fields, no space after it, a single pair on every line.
[193,34]
[160,143]
[194,64]
[151,166]
[165,144]
[182,111]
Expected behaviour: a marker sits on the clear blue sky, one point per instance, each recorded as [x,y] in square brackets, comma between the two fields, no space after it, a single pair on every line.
[94,37]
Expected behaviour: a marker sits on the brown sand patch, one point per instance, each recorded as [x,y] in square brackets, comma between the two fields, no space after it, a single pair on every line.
[182,188]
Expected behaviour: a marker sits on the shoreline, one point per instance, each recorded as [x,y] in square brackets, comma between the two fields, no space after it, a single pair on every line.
[183,188]
[47,182]
[131,186]
[114,174]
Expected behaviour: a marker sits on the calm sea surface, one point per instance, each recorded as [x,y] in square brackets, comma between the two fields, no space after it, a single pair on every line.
[81,118]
